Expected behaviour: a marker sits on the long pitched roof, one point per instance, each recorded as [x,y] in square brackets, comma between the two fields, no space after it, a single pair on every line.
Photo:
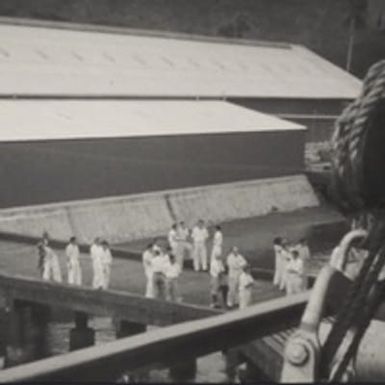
[52,61]
[74,119]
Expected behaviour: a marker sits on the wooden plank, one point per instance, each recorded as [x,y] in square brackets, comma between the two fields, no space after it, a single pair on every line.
[182,342]
[111,303]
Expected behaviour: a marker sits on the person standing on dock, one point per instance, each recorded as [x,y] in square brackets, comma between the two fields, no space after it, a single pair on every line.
[294,280]
[216,270]
[96,254]
[160,263]
[172,238]
[73,264]
[106,262]
[183,244]
[286,257]
[277,247]
[305,256]
[235,263]
[217,243]
[199,236]
[246,284]
[147,256]
[48,261]
[172,273]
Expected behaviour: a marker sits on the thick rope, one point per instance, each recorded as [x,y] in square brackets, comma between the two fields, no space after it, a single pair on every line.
[349,138]
[348,147]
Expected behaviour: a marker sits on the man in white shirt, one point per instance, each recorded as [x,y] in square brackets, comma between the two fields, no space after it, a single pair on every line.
[183,244]
[217,243]
[106,262]
[285,259]
[294,278]
[216,270]
[147,256]
[246,283]
[160,262]
[96,254]
[199,236]
[172,238]
[235,263]
[277,246]
[304,255]
[50,267]
[73,264]
[172,273]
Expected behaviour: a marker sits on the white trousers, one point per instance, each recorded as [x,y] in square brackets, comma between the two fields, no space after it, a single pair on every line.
[233,294]
[294,284]
[106,275]
[183,248]
[149,293]
[215,251]
[51,269]
[245,298]
[74,273]
[200,256]
[278,271]
[98,277]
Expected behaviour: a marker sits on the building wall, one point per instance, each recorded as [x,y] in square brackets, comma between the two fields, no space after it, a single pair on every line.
[53,171]
[318,116]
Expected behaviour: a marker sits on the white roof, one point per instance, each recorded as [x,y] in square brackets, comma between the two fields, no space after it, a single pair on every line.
[41,60]
[57,119]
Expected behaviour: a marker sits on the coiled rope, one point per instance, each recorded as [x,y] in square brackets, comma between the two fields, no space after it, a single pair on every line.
[356,137]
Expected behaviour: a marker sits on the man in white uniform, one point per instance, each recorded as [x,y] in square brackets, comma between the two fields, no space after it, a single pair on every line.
[183,244]
[294,277]
[216,270]
[217,243]
[199,236]
[96,254]
[160,263]
[304,255]
[172,238]
[246,283]
[172,273]
[106,262]
[73,263]
[49,262]
[147,266]
[285,259]
[277,246]
[235,262]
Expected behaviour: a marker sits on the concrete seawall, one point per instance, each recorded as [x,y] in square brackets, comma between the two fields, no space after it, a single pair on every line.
[131,217]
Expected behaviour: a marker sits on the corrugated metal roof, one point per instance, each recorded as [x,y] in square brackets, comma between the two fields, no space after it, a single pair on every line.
[74,119]
[45,61]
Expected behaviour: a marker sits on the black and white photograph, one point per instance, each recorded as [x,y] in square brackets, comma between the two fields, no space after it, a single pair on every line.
[192,191]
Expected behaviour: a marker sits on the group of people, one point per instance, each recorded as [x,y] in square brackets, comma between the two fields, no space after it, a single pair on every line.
[230,278]
[101,257]
[231,282]
[291,262]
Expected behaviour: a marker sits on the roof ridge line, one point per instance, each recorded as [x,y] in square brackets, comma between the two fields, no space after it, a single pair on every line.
[102,28]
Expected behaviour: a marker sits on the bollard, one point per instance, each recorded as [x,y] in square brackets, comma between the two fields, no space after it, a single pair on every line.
[81,336]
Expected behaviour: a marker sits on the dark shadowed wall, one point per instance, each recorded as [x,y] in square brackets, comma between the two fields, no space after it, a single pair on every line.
[52,171]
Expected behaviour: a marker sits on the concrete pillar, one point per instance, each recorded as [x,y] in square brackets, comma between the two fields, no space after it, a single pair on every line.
[183,372]
[232,361]
[81,336]
[126,329]
[26,332]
